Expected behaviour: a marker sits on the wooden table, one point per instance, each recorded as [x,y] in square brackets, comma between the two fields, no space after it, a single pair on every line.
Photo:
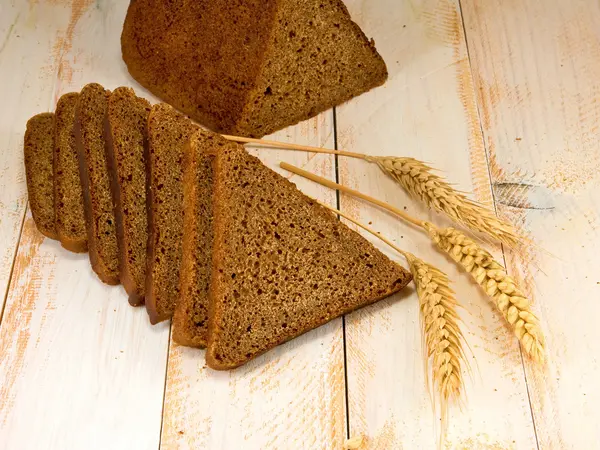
[502,95]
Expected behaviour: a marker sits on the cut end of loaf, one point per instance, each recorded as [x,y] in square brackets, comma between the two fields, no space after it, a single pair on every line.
[280,62]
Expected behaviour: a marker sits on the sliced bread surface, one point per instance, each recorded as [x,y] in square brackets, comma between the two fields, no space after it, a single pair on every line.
[168,132]
[190,319]
[93,168]
[125,136]
[68,191]
[282,264]
[38,149]
[249,69]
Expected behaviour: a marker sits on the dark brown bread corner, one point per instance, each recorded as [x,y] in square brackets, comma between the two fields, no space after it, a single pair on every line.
[282,264]
[168,131]
[38,149]
[190,319]
[68,191]
[125,136]
[93,168]
[250,70]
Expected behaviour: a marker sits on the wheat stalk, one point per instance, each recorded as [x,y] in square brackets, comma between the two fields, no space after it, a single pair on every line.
[442,337]
[492,277]
[418,179]
[489,274]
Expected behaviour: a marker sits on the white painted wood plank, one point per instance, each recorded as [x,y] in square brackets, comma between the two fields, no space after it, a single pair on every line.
[536,68]
[79,368]
[427,110]
[291,397]
[25,89]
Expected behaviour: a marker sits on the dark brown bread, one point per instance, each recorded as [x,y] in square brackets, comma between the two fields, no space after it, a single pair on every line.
[38,149]
[68,193]
[249,69]
[168,131]
[125,135]
[282,264]
[93,168]
[190,319]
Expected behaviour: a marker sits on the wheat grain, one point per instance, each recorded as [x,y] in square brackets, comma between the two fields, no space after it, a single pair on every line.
[441,333]
[419,180]
[492,277]
[354,443]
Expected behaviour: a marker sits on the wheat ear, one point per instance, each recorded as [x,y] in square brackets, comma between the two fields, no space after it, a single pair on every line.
[420,181]
[442,337]
[492,277]
[489,274]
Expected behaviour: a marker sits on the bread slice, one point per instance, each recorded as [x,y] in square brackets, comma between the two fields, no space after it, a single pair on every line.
[38,149]
[125,136]
[168,131]
[282,264]
[190,319]
[68,192]
[249,70]
[93,168]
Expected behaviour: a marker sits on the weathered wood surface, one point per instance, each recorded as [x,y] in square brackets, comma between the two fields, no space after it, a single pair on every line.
[500,95]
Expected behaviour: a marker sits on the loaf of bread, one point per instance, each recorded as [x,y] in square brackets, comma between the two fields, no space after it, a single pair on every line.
[93,168]
[190,319]
[282,264]
[125,136]
[253,68]
[38,149]
[168,131]
[68,193]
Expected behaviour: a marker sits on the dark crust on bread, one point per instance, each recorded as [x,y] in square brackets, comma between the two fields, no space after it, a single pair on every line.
[161,290]
[104,264]
[371,264]
[38,149]
[68,192]
[123,168]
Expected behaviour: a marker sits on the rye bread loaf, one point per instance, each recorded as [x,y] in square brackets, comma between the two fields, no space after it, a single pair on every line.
[38,149]
[68,192]
[125,136]
[249,69]
[190,319]
[168,131]
[282,264]
[93,168]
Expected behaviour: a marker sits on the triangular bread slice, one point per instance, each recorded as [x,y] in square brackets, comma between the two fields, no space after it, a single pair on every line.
[190,320]
[125,136]
[168,131]
[249,68]
[282,264]
[38,149]
[97,196]
[68,191]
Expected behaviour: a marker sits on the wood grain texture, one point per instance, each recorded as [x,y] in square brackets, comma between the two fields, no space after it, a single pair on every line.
[25,90]
[536,69]
[79,368]
[291,397]
[426,110]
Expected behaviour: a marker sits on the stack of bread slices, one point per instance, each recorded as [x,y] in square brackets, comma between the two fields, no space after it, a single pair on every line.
[194,227]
